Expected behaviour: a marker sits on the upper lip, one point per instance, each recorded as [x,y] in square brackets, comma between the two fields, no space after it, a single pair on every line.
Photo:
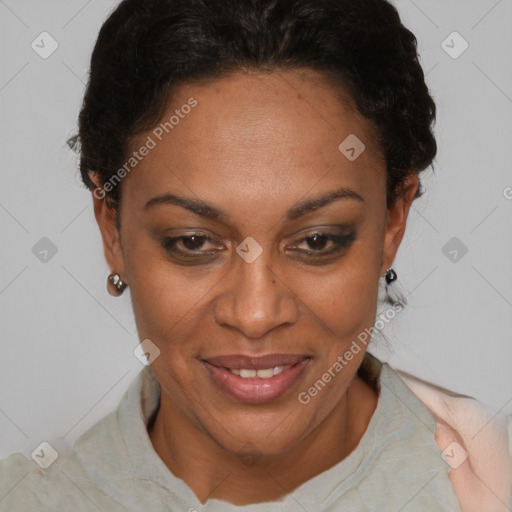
[240,361]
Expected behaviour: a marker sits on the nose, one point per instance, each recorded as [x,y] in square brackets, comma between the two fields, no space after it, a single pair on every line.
[254,299]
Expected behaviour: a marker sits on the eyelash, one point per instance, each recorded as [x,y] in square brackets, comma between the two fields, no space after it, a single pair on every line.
[341,243]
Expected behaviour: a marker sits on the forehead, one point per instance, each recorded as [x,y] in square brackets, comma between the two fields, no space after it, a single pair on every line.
[276,132]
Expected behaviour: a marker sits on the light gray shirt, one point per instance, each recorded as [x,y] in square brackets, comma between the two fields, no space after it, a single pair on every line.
[397,466]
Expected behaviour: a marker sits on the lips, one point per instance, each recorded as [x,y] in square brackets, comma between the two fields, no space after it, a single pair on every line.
[239,362]
[238,375]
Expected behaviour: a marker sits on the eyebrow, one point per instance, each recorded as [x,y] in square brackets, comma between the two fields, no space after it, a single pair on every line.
[204,209]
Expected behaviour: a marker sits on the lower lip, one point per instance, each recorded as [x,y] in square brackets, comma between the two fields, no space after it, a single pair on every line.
[255,390]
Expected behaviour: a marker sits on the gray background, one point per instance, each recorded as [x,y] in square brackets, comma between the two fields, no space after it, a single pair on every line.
[66,346]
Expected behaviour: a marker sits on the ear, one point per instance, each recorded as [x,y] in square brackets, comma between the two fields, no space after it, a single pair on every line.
[105,217]
[397,220]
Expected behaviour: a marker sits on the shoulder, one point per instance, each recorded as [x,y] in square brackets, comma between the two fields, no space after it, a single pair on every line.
[102,470]
[25,487]
[72,482]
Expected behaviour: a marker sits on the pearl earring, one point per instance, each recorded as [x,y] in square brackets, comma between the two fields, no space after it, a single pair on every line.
[115,286]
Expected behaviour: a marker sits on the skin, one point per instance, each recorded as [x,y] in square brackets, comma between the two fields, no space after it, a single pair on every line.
[255,145]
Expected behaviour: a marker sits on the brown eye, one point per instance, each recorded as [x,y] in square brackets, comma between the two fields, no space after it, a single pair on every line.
[318,241]
[189,247]
[193,242]
[320,245]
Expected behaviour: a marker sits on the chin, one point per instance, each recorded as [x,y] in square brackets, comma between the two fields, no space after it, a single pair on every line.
[262,436]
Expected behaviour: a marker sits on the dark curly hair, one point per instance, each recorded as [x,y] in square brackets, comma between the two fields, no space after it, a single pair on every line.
[147,48]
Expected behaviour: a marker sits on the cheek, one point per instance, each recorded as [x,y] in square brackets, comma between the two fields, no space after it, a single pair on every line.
[342,317]
[344,300]
[166,300]
[167,306]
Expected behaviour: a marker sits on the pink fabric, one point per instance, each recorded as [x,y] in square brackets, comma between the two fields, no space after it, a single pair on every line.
[466,428]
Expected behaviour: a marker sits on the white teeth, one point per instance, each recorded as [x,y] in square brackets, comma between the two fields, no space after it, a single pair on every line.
[280,369]
[247,374]
[265,373]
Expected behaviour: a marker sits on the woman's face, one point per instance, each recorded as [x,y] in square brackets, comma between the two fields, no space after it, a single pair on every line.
[287,237]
